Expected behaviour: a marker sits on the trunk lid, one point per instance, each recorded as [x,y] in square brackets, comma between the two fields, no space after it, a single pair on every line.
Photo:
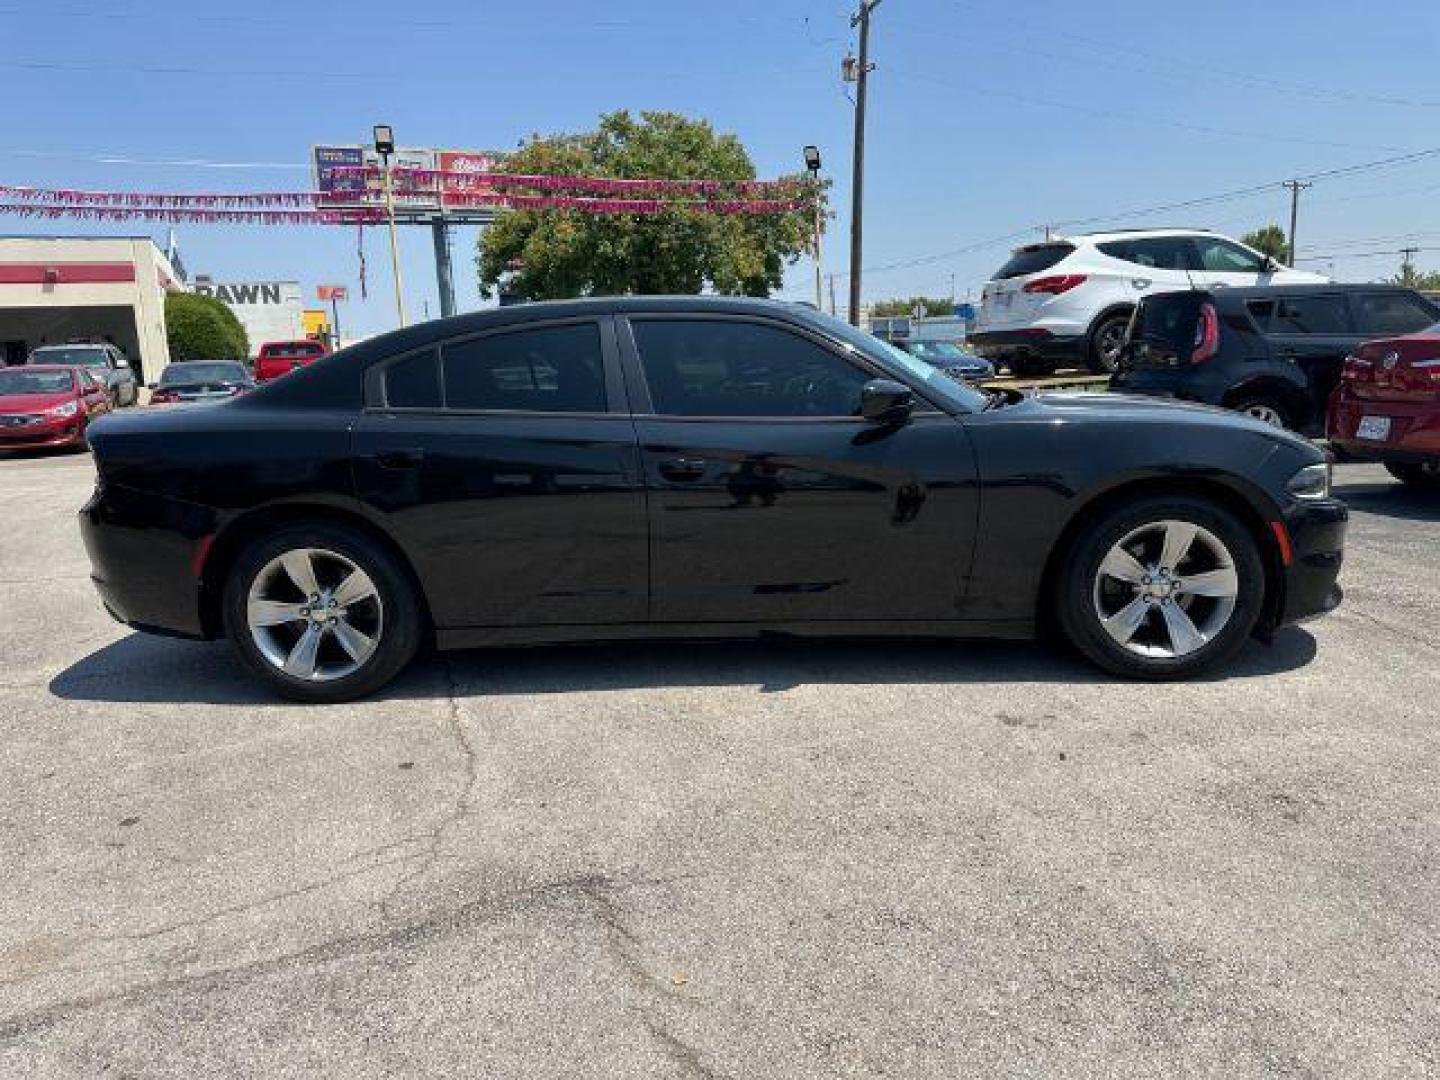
[1004,303]
[1164,331]
[1402,369]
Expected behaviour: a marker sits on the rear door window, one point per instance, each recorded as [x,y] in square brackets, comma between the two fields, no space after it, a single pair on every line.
[1218,256]
[1163,253]
[1033,259]
[1310,315]
[547,369]
[413,383]
[1386,313]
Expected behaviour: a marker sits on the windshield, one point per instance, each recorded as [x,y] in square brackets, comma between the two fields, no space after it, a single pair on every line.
[15,381]
[203,372]
[84,357]
[938,350]
[938,386]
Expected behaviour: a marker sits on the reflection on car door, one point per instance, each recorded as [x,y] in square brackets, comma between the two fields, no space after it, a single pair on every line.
[506,463]
[1313,331]
[771,500]
[1220,263]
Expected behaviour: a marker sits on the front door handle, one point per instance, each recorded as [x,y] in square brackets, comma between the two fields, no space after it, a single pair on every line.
[682,469]
[409,458]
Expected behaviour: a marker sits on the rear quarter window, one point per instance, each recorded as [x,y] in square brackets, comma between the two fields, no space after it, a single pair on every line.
[1392,313]
[1033,259]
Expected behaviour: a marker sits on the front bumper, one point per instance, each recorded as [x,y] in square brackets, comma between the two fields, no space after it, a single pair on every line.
[49,436]
[1316,535]
[143,558]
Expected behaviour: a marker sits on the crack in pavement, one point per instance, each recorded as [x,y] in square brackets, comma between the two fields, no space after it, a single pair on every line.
[438,927]
[461,810]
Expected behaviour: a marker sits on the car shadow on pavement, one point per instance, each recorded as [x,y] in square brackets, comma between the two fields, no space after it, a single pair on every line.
[1391,500]
[142,668]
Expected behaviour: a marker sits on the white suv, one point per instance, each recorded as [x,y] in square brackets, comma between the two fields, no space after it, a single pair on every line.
[1068,300]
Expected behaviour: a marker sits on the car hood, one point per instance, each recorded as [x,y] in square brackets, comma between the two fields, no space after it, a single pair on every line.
[1089,407]
[33,403]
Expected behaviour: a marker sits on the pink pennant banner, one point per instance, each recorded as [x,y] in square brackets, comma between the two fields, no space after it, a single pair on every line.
[180,215]
[426,180]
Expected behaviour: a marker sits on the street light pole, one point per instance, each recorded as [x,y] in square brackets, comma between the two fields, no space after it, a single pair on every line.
[385,146]
[812,162]
[857,179]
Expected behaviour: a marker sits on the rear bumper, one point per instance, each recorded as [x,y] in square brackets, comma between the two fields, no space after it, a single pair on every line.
[143,552]
[1316,532]
[1414,436]
[998,344]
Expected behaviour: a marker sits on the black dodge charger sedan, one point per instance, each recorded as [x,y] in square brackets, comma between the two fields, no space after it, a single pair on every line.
[667,467]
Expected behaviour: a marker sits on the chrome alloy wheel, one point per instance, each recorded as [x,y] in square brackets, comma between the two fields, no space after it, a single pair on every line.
[1166,589]
[314,614]
[1267,414]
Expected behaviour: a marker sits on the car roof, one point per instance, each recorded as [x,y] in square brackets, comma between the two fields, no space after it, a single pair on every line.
[1130,234]
[71,345]
[44,367]
[1246,292]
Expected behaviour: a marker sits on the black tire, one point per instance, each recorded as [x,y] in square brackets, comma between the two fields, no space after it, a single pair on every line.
[1031,367]
[1103,354]
[400,632]
[1424,477]
[1267,409]
[1076,589]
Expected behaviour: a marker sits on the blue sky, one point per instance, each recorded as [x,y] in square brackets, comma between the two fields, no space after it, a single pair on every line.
[986,118]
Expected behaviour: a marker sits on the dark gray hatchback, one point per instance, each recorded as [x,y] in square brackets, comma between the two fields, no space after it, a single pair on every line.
[1274,353]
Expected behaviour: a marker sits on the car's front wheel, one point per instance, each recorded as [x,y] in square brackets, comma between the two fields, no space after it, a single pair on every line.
[1161,588]
[322,612]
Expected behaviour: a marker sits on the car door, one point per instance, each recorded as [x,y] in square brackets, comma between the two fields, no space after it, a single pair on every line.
[1313,331]
[770,499]
[1162,263]
[506,464]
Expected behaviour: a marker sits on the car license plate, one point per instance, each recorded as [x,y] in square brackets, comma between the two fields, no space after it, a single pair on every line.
[1375,428]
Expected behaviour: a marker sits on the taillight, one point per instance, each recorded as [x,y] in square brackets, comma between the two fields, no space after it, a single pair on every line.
[1207,335]
[164,397]
[1055,284]
[1357,369]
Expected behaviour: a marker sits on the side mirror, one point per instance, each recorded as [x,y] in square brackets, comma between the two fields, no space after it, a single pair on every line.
[885,401]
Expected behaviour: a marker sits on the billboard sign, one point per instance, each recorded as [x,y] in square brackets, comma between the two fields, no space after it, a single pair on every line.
[334,175]
[269,310]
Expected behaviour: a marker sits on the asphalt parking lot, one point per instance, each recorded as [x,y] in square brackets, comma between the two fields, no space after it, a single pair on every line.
[770,860]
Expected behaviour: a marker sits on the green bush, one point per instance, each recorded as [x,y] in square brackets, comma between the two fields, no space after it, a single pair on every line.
[203,328]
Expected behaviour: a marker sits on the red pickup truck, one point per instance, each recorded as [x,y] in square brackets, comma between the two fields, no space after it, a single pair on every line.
[278,358]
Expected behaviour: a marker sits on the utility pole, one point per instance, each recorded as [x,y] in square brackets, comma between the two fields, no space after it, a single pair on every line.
[832,293]
[1407,259]
[861,72]
[444,277]
[1295,186]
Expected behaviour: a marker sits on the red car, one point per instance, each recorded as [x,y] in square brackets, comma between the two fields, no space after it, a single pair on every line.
[278,358]
[47,405]
[1387,407]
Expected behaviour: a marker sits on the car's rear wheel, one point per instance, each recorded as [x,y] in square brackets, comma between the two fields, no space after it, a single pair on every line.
[1425,475]
[1266,409]
[1105,343]
[322,612]
[1161,588]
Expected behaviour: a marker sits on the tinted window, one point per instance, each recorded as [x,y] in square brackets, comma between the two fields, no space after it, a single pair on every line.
[202,372]
[1222,257]
[1392,313]
[1261,311]
[413,383]
[87,357]
[1169,320]
[1033,259]
[1309,315]
[702,367]
[554,369]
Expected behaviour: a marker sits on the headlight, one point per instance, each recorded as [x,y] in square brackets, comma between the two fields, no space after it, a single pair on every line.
[1311,482]
[70,408]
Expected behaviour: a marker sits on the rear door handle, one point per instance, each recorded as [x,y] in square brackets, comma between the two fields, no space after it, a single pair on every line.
[682,469]
[409,458]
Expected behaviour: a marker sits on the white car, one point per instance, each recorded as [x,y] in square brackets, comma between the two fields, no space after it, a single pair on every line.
[1067,301]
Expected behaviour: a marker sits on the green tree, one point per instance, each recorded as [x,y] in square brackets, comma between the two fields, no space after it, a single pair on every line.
[1270,240]
[933,306]
[202,328]
[552,254]
[1423,280]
